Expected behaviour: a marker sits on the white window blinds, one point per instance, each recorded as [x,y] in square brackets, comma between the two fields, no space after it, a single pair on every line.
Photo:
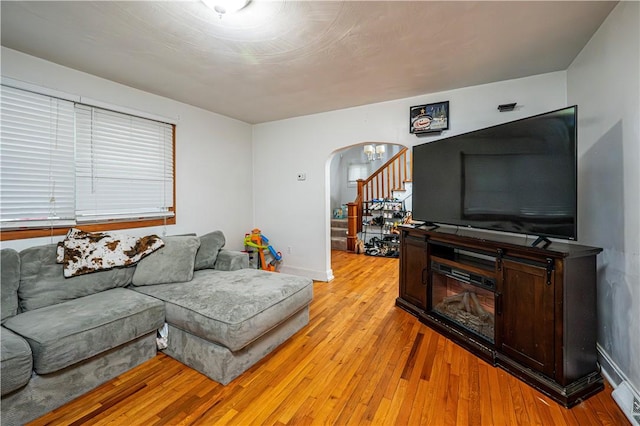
[124,166]
[64,163]
[36,160]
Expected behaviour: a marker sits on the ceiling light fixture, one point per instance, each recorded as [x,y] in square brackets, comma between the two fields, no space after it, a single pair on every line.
[222,7]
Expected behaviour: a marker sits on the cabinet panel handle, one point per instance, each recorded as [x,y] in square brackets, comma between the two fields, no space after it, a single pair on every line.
[424,276]
[498,303]
[549,269]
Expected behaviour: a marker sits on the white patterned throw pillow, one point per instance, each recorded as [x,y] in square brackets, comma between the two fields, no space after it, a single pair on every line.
[85,252]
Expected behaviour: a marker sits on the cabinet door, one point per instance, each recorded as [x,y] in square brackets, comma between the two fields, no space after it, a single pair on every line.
[413,271]
[526,315]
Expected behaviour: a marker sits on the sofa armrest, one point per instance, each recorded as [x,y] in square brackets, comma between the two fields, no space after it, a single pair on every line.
[230,260]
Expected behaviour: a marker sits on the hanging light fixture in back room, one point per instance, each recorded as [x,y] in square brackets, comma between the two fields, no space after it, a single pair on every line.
[374,152]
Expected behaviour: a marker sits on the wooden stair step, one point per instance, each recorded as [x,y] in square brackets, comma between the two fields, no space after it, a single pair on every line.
[339,223]
[339,243]
[339,233]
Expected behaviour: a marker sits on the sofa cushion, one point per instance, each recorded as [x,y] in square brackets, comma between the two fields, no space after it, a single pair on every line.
[10,269]
[233,308]
[173,263]
[64,334]
[16,361]
[231,260]
[42,283]
[210,245]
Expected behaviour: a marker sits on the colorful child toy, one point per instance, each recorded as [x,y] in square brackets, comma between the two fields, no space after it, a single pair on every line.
[258,241]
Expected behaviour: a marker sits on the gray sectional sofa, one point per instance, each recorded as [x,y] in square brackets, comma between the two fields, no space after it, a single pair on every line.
[62,337]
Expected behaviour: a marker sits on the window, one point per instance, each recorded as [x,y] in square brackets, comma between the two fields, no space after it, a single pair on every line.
[356,172]
[65,163]
[124,166]
[37,142]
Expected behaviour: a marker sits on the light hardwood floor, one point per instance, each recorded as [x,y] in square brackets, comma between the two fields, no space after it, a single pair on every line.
[360,361]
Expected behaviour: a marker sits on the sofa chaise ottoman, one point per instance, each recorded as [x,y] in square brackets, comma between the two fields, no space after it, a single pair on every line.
[225,319]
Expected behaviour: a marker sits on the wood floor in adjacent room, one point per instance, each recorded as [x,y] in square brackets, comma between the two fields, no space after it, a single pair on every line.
[360,361]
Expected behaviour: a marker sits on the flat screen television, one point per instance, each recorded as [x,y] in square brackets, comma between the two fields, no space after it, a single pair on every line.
[518,177]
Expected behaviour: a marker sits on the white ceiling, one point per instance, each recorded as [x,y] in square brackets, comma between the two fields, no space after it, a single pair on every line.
[281,59]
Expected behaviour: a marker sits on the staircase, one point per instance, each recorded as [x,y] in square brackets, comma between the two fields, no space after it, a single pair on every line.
[390,179]
[339,234]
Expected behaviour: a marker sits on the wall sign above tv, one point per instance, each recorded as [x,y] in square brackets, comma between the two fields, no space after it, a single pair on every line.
[429,118]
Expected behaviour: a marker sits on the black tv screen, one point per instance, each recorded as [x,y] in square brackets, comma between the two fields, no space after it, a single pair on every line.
[517,177]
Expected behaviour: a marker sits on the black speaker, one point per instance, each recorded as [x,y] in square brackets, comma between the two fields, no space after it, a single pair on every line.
[506,107]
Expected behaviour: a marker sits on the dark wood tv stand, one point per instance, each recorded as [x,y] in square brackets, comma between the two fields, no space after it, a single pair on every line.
[529,310]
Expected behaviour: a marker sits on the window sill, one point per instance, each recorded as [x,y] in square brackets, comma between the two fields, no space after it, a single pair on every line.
[21,234]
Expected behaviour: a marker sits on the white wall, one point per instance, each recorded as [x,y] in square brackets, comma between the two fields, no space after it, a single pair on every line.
[213,152]
[604,80]
[295,213]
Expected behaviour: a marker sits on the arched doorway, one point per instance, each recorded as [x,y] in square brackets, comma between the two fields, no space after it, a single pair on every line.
[346,166]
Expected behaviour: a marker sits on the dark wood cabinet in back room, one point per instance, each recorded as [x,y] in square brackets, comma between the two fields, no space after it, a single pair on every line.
[528,310]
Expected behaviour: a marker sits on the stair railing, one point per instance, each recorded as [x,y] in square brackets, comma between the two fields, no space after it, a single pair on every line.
[391,176]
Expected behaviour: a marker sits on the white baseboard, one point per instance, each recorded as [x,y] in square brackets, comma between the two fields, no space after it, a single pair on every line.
[310,273]
[625,395]
[608,368]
